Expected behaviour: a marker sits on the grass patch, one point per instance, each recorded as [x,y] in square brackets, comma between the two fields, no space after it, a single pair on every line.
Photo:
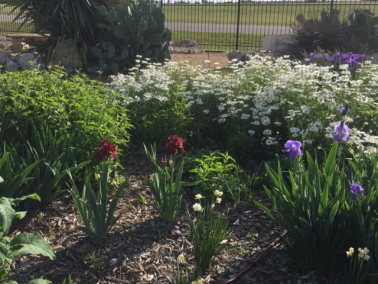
[9,28]
[5,10]
[277,14]
[220,41]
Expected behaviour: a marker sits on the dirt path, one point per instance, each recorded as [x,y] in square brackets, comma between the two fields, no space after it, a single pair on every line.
[206,60]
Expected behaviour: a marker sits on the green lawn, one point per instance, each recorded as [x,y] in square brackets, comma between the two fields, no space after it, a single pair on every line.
[280,14]
[8,28]
[263,14]
[220,41]
[5,10]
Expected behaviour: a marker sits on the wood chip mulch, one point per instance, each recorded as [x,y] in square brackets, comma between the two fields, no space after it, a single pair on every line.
[141,248]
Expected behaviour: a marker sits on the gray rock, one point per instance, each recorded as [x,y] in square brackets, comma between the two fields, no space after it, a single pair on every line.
[4,57]
[241,55]
[186,46]
[67,54]
[11,66]
[16,58]
[26,61]
[185,43]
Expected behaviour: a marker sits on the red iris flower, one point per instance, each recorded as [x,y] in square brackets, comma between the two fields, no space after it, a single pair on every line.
[175,145]
[106,149]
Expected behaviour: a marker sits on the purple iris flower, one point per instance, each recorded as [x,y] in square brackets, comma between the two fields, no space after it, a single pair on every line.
[345,110]
[341,132]
[293,148]
[306,62]
[356,190]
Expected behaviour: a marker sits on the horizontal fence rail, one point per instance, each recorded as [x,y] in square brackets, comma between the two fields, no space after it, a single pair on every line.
[221,25]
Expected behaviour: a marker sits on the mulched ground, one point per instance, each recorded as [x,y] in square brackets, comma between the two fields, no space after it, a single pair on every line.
[141,248]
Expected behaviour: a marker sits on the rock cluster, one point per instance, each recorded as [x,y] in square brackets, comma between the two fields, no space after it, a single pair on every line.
[186,46]
[19,62]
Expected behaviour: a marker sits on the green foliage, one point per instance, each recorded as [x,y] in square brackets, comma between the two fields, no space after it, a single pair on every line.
[309,207]
[96,262]
[165,185]
[207,234]
[35,281]
[95,206]
[361,32]
[54,156]
[76,105]
[68,280]
[331,33]
[132,30]
[358,266]
[23,244]
[219,171]
[156,120]
[180,270]
[15,173]
[63,19]
[362,213]
[324,33]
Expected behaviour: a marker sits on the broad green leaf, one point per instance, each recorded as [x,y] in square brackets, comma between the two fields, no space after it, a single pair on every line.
[39,281]
[27,243]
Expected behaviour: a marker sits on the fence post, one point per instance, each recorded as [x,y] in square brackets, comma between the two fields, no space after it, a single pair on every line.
[237,26]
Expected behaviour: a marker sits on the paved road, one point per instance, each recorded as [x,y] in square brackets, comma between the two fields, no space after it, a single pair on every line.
[227,28]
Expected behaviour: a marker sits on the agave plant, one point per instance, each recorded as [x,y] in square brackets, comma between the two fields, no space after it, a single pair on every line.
[63,19]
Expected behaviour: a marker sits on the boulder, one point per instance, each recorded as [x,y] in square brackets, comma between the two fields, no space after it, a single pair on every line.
[26,61]
[241,55]
[11,66]
[4,57]
[186,46]
[67,54]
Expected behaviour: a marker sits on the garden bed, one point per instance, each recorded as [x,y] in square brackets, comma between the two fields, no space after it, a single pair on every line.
[141,248]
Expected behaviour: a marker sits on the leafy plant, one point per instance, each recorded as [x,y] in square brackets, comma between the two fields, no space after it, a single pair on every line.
[68,280]
[96,261]
[324,32]
[132,30]
[165,185]
[22,244]
[180,270]
[95,206]
[219,171]
[15,173]
[361,31]
[361,211]
[207,234]
[57,158]
[309,207]
[72,105]
[358,266]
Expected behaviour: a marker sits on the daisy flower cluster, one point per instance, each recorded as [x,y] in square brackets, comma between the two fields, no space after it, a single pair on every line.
[266,98]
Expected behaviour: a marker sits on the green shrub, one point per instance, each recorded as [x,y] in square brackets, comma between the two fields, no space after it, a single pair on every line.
[218,173]
[325,33]
[131,30]
[76,105]
[333,33]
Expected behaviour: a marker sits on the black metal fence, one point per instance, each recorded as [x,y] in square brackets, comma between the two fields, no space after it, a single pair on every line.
[221,25]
